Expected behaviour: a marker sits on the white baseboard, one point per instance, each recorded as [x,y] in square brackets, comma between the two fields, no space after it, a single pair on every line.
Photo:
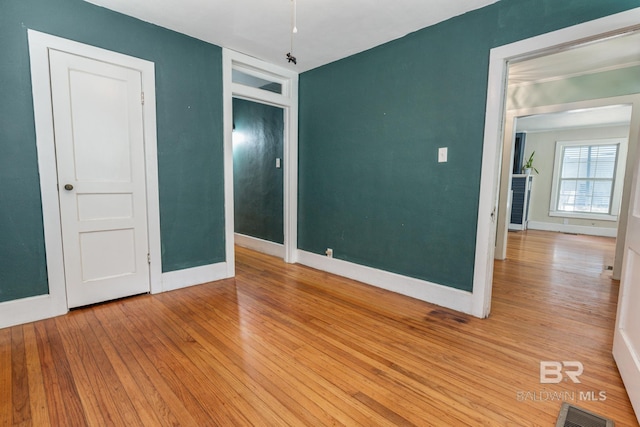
[574,229]
[194,276]
[260,245]
[434,293]
[30,309]
[41,307]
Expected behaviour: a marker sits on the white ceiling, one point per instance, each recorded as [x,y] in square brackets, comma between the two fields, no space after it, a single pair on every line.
[611,53]
[328,30]
[615,115]
[607,54]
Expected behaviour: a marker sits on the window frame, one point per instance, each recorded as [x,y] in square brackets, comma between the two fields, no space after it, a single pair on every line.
[618,179]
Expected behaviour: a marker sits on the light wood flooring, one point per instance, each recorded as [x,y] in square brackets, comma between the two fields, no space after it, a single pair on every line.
[286,345]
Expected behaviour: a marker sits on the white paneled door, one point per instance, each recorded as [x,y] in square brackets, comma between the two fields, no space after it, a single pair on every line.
[99,139]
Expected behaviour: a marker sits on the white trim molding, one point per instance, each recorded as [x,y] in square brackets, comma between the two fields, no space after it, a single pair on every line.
[260,245]
[573,229]
[31,309]
[423,290]
[55,303]
[184,278]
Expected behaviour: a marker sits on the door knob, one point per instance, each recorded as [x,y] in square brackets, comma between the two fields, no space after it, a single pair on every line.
[68,187]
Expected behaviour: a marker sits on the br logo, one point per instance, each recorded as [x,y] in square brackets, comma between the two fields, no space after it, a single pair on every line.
[552,372]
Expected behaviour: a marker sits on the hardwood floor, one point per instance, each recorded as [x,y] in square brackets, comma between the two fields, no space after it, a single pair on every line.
[288,345]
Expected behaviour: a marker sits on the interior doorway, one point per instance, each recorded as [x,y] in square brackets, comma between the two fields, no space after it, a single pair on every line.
[623,27]
[552,132]
[611,27]
[580,86]
[267,96]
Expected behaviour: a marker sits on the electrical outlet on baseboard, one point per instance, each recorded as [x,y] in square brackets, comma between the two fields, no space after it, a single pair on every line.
[329,252]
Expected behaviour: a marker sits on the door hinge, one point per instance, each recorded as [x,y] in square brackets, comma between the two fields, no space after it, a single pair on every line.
[142,98]
[148,258]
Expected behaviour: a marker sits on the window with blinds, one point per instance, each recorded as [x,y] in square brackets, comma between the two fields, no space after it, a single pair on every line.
[587,178]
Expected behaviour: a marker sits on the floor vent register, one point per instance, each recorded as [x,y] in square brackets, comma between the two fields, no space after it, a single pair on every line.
[572,416]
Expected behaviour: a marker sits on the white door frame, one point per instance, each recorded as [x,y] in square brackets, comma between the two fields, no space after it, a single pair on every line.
[494,131]
[288,101]
[55,303]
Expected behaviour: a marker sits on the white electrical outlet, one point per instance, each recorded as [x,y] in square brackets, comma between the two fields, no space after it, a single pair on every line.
[278,163]
[329,252]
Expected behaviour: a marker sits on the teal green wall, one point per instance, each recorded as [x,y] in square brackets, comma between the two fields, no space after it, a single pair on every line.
[190,148]
[370,127]
[257,183]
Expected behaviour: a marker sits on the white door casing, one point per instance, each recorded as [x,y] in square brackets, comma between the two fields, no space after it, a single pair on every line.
[626,338]
[288,101]
[99,139]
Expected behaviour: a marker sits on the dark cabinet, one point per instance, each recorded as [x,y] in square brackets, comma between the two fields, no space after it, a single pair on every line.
[520,199]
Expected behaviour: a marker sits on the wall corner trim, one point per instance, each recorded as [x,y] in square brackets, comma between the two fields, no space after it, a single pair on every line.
[433,293]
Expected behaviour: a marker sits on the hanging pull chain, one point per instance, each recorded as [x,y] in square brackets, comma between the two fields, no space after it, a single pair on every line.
[295,17]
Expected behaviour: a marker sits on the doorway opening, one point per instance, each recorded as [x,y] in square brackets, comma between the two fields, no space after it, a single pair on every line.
[494,159]
[578,176]
[501,126]
[576,96]
[258,187]
[261,145]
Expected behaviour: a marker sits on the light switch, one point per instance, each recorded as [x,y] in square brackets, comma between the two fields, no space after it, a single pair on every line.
[278,163]
[442,154]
